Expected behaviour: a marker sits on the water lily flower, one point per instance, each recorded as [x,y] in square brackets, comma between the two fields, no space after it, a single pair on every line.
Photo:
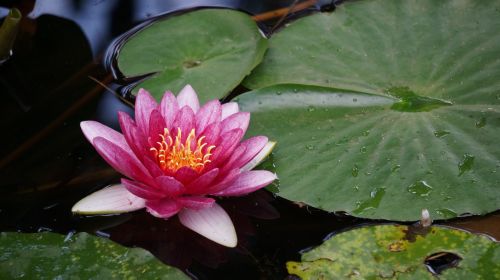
[177,157]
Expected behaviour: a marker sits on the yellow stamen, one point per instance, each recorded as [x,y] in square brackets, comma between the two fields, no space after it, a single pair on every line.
[172,154]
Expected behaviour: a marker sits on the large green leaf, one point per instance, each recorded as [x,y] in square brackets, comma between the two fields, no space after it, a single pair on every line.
[359,153]
[392,252]
[446,49]
[83,256]
[212,49]
[437,148]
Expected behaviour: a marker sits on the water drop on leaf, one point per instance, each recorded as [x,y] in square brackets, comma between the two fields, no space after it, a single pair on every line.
[481,122]
[441,133]
[465,164]
[420,188]
[446,213]
[355,171]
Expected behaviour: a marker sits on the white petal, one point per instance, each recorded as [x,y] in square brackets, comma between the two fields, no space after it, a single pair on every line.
[268,148]
[229,108]
[187,97]
[213,223]
[114,199]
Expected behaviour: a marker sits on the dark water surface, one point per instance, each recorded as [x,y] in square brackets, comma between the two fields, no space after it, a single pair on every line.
[46,165]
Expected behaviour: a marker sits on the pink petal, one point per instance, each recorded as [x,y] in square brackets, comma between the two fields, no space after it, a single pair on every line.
[188,97]
[134,137]
[110,200]
[268,148]
[208,114]
[93,129]
[239,120]
[124,162]
[186,175]
[144,105]
[185,121]
[213,223]
[229,142]
[248,182]
[156,127]
[153,167]
[251,147]
[223,182]
[211,133]
[196,202]
[199,186]
[163,208]
[141,190]
[170,186]
[169,108]
[232,162]
[229,108]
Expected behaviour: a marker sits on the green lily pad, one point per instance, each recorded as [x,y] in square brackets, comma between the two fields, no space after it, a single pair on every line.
[439,49]
[366,155]
[390,252]
[83,256]
[434,147]
[211,49]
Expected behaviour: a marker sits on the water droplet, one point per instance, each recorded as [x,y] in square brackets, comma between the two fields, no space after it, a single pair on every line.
[395,168]
[446,213]
[366,133]
[356,187]
[354,100]
[355,171]
[465,164]
[371,203]
[310,147]
[441,133]
[311,109]
[481,122]
[295,90]
[420,188]
[363,149]
[278,93]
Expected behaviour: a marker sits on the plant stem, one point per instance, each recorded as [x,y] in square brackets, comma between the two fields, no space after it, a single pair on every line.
[8,32]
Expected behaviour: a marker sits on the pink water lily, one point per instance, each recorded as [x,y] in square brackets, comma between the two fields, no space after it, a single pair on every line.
[177,158]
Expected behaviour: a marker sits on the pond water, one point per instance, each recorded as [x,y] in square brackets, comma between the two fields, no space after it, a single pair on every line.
[46,164]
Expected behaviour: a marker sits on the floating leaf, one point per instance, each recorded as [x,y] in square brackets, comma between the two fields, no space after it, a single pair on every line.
[438,60]
[52,256]
[326,158]
[446,50]
[211,49]
[392,252]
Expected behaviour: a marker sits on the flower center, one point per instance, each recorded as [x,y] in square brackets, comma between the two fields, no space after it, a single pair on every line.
[171,154]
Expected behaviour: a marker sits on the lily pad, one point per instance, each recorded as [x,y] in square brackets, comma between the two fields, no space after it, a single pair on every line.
[211,49]
[52,256]
[439,49]
[361,153]
[391,252]
[435,147]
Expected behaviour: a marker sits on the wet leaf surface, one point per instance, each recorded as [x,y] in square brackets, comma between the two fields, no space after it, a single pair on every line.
[385,251]
[211,49]
[54,256]
[360,156]
[434,146]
